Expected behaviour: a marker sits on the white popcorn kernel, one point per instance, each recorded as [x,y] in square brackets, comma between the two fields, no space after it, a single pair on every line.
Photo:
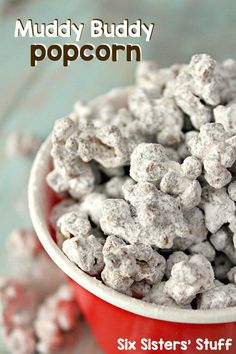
[113,188]
[92,204]
[57,182]
[218,297]
[219,209]
[139,289]
[175,257]
[149,162]
[158,296]
[117,220]
[196,224]
[137,262]
[189,278]
[161,116]
[85,252]
[216,153]
[105,145]
[64,206]
[73,224]
[198,87]
[226,115]
[191,167]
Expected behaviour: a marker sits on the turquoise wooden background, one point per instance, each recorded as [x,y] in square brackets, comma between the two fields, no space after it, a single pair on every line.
[32,98]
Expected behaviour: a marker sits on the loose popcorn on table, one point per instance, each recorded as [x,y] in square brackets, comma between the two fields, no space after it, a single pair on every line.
[146,180]
[31,324]
[21,144]
[56,317]
[31,264]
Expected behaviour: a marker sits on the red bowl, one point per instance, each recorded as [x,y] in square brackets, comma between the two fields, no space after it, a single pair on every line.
[120,322]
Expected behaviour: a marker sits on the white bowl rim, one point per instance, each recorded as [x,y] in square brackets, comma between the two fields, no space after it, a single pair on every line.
[96,287]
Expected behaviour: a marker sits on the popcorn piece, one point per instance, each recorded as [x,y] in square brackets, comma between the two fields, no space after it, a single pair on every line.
[226,115]
[115,281]
[137,263]
[189,278]
[196,223]
[70,174]
[219,209]
[21,144]
[18,304]
[56,317]
[77,185]
[232,275]
[171,121]
[216,153]
[31,265]
[105,145]
[227,70]
[218,298]
[21,340]
[191,167]
[158,296]
[117,220]
[113,188]
[197,88]
[154,79]
[139,223]
[63,207]
[232,191]
[141,106]
[85,252]
[57,182]
[139,289]
[158,213]
[229,66]
[161,116]
[24,243]
[188,190]
[91,205]
[204,248]
[149,162]
[174,258]
[72,224]
[222,241]
[129,127]
[82,113]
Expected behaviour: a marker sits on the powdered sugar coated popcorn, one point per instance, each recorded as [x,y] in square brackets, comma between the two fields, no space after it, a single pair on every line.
[147,180]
